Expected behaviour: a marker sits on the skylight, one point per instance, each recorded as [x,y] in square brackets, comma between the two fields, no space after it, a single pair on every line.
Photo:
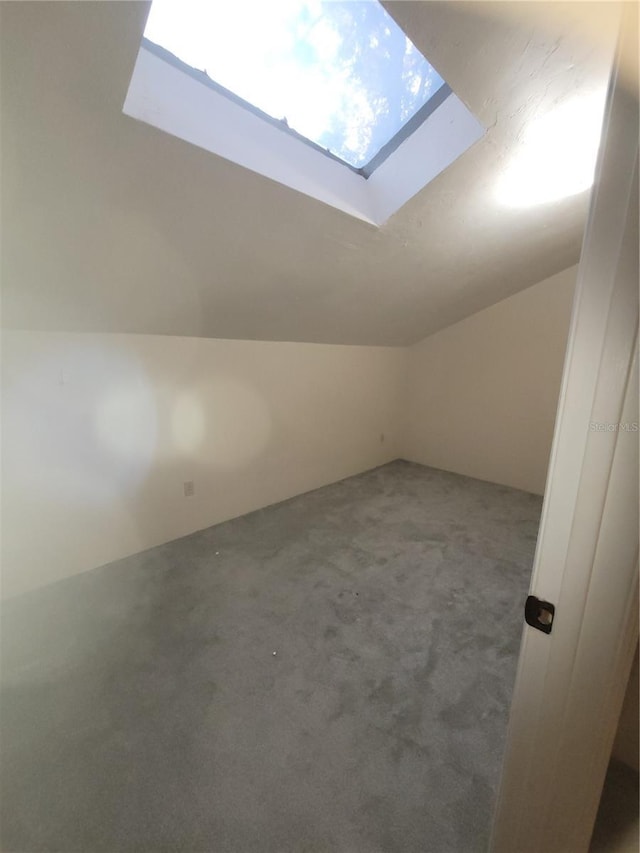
[339,73]
[327,97]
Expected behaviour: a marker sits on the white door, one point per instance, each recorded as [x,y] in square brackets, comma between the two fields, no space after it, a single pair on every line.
[570,682]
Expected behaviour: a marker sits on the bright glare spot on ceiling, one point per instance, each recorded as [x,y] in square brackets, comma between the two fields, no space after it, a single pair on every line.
[558,155]
[340,73]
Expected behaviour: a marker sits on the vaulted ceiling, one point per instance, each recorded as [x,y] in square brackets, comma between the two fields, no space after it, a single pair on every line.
[110,225]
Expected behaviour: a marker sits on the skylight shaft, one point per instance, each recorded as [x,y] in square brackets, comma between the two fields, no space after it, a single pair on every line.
[341,73]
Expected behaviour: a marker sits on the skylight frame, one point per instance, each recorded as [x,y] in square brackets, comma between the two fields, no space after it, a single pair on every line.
[410,126]
[412,123]
[201,77]
[343,74]
[170,98]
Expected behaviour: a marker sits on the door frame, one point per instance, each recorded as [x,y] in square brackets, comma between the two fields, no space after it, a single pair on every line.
[570,683]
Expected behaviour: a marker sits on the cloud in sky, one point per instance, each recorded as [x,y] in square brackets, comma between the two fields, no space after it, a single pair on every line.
[341,72]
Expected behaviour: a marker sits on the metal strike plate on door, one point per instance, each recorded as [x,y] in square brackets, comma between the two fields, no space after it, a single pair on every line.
[539,614]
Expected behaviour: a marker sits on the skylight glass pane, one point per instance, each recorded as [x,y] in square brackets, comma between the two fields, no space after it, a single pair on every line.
[339,72]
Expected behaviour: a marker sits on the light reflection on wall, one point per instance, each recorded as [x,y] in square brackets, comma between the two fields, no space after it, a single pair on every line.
[188,423]
[125,422]
[87,424]
[81,424]
[225,422]
[99,434]
[558,155]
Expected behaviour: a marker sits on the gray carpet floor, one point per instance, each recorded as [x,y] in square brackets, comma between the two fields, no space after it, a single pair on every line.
[332,673]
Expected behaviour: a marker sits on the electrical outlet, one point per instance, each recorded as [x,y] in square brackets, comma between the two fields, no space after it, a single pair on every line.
[381,438]
[189,489]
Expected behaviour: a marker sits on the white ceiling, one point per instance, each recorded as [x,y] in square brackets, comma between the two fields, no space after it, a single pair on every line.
[111,225]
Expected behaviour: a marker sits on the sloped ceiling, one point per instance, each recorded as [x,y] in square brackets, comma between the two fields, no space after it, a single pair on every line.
[111,225]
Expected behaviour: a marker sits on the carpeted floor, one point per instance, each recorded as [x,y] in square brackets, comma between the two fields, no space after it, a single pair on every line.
[332,673]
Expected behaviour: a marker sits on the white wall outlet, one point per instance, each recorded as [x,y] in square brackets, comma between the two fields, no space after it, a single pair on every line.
[189,489]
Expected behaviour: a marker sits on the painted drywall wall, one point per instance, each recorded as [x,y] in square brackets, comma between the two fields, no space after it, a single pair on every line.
[626,746]
[482,394]
[101,432]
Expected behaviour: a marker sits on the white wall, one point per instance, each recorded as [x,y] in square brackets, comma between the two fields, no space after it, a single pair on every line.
[101,431]
[482,394]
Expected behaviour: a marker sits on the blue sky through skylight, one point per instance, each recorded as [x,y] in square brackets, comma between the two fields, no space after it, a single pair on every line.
[341,72]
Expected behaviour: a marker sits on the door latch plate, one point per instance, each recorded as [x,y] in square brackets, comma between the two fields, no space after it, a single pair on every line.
[539,614]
